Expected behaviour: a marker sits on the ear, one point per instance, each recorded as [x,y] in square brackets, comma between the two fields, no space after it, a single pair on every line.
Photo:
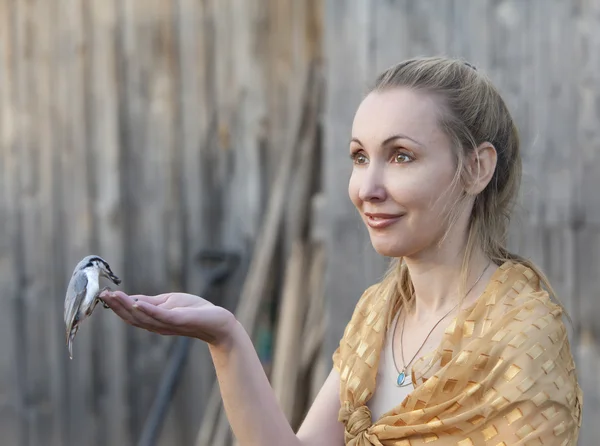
[481,165]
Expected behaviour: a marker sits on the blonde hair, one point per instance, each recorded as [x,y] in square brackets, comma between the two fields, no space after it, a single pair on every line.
[471,112]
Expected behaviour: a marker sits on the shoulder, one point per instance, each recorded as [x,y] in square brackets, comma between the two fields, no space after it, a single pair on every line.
[516,302]
[516,311]
[369,310]
[368,316]
[525,336]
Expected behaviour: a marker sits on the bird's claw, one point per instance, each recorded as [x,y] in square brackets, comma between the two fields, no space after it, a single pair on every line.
[106,288]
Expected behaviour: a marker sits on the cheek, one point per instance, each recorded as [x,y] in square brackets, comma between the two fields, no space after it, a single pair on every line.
[354,187]
[412,191]
[425,191]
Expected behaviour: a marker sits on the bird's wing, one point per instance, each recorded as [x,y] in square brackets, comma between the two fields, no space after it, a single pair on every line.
[75,295]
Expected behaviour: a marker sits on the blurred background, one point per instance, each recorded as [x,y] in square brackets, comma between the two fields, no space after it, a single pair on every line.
[201,146]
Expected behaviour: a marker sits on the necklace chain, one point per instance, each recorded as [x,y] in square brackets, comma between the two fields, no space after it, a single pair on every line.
[402,374]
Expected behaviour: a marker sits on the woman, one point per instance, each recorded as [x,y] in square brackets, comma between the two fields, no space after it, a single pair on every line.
[459,344]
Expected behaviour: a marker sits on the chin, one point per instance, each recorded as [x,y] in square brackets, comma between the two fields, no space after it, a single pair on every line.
[397,245]
[389,249]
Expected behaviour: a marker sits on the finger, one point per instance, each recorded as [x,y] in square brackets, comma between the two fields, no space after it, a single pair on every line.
[152,311]
[105,294]
[145,319]
[178,321]
[119,309]
[122,305]
[154,300]
[163,315]
[182,320]
[112,293]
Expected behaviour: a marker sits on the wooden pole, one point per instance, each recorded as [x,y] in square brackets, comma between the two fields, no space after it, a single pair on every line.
[289,329]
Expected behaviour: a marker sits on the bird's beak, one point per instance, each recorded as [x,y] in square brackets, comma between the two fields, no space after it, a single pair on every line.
[114,278]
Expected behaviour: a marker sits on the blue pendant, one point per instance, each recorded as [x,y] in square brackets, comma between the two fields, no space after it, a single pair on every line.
[400,379]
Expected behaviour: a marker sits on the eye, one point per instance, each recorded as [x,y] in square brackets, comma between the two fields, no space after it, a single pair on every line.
[401,157]
[359,157]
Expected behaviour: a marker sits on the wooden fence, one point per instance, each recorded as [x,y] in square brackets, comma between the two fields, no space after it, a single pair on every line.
[149,130]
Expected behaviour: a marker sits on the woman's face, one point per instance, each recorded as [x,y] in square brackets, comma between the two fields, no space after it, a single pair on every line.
[403,169]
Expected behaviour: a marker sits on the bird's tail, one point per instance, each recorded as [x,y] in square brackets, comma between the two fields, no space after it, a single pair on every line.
[70,339]
[70,346]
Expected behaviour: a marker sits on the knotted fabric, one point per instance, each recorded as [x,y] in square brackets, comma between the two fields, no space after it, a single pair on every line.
[357,422]
[503,373]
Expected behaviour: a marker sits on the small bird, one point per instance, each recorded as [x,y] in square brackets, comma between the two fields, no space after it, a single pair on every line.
[82,293]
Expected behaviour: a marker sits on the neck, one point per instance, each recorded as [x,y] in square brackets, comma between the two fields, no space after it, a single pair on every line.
[436,279]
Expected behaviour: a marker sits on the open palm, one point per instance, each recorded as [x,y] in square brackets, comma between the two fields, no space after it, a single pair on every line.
[179,314]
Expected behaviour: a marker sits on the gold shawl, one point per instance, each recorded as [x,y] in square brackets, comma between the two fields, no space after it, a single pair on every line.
[502,375]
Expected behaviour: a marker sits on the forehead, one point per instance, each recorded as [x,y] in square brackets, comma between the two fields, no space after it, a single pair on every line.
[385,113]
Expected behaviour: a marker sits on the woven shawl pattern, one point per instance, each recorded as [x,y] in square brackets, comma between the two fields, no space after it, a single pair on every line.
[502,375]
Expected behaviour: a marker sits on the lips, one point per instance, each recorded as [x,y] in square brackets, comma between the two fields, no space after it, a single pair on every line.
[381,220]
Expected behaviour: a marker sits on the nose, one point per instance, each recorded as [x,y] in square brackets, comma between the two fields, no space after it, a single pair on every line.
[372,187]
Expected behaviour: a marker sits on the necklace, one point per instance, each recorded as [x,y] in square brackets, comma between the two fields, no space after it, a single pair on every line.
[402,374]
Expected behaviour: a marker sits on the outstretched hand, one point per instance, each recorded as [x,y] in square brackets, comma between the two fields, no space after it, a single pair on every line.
[178,314]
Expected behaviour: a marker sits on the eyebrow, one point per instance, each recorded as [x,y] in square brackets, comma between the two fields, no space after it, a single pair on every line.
[390,139]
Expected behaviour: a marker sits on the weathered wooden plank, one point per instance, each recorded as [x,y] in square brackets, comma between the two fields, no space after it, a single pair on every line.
[33,266]
[110,362]
[352,263]
[469,39]
[588,279]
[587,132]
[278,74]
[390,39]
[130,111]
[195,97]
[19,155]
[554,47]
[148,138]
[588,325]
[13,422]
[562,268]
[49,308]
[244,194]
[227,95]
[585,213]
[287,365]
[59,366]
[500,21]
[288,349]
[292,31]
[588,364]
[315,322]
[75,221]
[163,62]
[513,61]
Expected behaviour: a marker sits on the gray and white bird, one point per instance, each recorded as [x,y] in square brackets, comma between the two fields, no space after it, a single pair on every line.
[82,293]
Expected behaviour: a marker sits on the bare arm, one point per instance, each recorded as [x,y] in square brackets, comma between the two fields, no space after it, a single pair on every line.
[251,405]
[321,426]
